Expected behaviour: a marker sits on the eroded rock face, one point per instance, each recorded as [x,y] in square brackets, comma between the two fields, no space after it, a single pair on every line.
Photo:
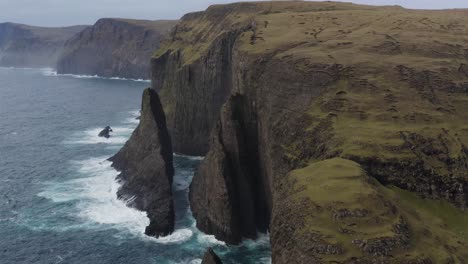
[206,84]
[235,207]
[114,48]
[146,166]
[210,257]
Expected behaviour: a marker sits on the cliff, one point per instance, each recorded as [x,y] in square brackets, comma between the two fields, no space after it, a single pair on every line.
[147,168]
[114,48]
[341,128]
[28,46]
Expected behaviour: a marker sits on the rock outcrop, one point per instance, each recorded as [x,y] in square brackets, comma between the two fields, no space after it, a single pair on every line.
[146,167]
[236,205]
[29,46]
[114,48]
[210,257]
[333,87]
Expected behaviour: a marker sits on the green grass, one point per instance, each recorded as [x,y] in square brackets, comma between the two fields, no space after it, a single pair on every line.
[438,229]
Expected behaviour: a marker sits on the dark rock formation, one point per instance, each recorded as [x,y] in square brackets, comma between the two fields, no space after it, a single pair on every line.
[105,132]
[147,169]
[206,84]
[318,83]
[210,257]
[236,205]
[114,48]
[29,46]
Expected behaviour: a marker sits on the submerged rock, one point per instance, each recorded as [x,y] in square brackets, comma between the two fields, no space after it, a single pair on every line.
[105,132]
[147,168]
[210,257]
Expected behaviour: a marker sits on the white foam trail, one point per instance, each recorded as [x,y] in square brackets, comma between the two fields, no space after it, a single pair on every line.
[97,201]
[263,240]
[53,73]
[96,197]
[119,136]
[192,261]
[179,236]
[207,240]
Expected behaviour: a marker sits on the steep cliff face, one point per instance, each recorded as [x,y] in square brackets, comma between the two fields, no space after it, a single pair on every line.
[379,90]
[236,207]
[28,46]
[147,168]
[114,48]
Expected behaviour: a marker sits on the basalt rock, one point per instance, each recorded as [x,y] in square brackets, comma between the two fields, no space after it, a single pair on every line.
[105,132]
[235,207]
[146,166]
[210,257]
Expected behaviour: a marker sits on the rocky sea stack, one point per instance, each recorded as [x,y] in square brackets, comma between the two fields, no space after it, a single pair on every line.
[114,47]
[340,128]
[146,167]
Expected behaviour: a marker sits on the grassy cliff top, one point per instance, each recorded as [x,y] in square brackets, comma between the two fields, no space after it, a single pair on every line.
[159,25]
[329,31]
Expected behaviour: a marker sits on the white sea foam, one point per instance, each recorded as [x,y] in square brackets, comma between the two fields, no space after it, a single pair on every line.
[206,240]
[189,157]
[95,194]
[53,73]
[132,120]
[178,236]
[192,261]
[90,136]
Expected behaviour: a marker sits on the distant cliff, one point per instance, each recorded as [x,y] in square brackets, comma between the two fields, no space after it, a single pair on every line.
[29,46]
[114,48]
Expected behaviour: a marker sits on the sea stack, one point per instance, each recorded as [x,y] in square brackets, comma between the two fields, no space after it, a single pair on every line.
[147,168]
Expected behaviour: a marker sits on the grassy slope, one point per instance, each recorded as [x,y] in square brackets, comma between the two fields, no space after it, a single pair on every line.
[438,230]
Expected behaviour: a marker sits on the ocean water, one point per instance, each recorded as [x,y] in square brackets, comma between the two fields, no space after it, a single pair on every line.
[57,191]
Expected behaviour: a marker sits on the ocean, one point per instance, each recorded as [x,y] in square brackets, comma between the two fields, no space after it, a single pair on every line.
[58,200]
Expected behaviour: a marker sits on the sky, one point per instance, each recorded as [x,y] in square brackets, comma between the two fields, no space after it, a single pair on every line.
[80,12]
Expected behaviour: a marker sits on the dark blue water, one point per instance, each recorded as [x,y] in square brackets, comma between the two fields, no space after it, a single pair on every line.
[57,191]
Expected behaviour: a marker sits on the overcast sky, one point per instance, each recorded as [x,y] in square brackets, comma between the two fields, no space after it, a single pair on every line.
[72,12]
